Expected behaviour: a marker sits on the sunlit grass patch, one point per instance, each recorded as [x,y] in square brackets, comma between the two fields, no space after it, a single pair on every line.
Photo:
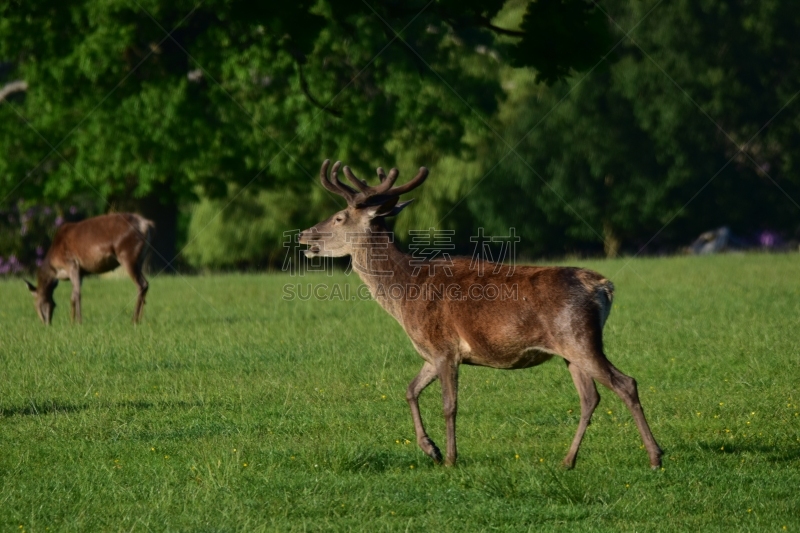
[233,409]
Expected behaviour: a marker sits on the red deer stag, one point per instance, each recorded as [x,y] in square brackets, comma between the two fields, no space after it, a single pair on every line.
[452,318]
[93,246]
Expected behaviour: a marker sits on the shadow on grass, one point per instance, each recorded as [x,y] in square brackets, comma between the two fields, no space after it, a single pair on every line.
[181,429]
[48,407]
[491,479]
[776,453]
[141,405]
[33,408]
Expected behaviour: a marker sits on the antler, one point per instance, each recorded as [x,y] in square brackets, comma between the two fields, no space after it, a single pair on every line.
[384,192]
[392,175]
[333,184]
[366,195]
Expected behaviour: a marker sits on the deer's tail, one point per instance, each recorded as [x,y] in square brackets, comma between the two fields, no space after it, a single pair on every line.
[604,296]
[147,229]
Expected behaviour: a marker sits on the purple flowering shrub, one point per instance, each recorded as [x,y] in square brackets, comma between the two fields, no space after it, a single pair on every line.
[26,232]
[769,240]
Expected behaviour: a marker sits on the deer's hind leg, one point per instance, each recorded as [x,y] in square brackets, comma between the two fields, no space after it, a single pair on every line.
[587,391]
[134,266]
[448,374]
[595,364]
[76,280]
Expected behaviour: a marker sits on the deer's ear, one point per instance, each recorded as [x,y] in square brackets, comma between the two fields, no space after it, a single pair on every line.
[389,209]
[31,287]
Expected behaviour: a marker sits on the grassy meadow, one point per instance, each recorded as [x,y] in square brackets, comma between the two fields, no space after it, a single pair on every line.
[232,409]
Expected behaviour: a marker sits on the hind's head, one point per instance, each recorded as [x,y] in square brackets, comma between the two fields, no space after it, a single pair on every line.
[43,299]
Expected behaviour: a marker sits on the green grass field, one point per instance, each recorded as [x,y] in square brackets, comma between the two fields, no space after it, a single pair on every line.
[231,409]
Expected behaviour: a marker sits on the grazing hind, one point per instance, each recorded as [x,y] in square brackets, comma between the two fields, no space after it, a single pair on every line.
[93,246]
[458,312]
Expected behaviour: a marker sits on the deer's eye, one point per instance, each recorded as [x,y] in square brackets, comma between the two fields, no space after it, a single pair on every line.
[339,219]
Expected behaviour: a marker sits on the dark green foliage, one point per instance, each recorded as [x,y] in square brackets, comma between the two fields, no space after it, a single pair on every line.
[561,35]
[133,110]
[693,126]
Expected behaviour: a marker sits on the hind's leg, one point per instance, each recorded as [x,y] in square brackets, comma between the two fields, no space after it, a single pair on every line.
[75,299]
[134,269]
[589,400]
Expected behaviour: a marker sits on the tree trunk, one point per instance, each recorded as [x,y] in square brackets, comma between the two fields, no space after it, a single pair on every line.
[611,242]
[165,236]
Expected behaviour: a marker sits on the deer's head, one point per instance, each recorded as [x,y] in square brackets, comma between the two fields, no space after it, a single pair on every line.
[43,299]
[366,207]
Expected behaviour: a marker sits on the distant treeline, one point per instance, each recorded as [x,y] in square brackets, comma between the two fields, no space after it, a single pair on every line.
[618,127]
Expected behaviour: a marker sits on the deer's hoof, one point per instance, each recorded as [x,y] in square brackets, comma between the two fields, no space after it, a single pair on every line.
[435,454]
[431,450]
[655,462]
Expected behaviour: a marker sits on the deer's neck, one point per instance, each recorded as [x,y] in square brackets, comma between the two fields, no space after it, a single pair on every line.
[46,277]
[383,267]
[46,274]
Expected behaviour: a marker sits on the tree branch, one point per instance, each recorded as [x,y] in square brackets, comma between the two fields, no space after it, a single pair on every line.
[304,88]
[486,23]
[13,87]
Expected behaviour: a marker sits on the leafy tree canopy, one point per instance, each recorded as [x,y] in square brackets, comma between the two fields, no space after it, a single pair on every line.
[184,98]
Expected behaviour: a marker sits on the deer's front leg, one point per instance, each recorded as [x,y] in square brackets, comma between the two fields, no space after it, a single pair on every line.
[75,299]
[448,374]
[425,377]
